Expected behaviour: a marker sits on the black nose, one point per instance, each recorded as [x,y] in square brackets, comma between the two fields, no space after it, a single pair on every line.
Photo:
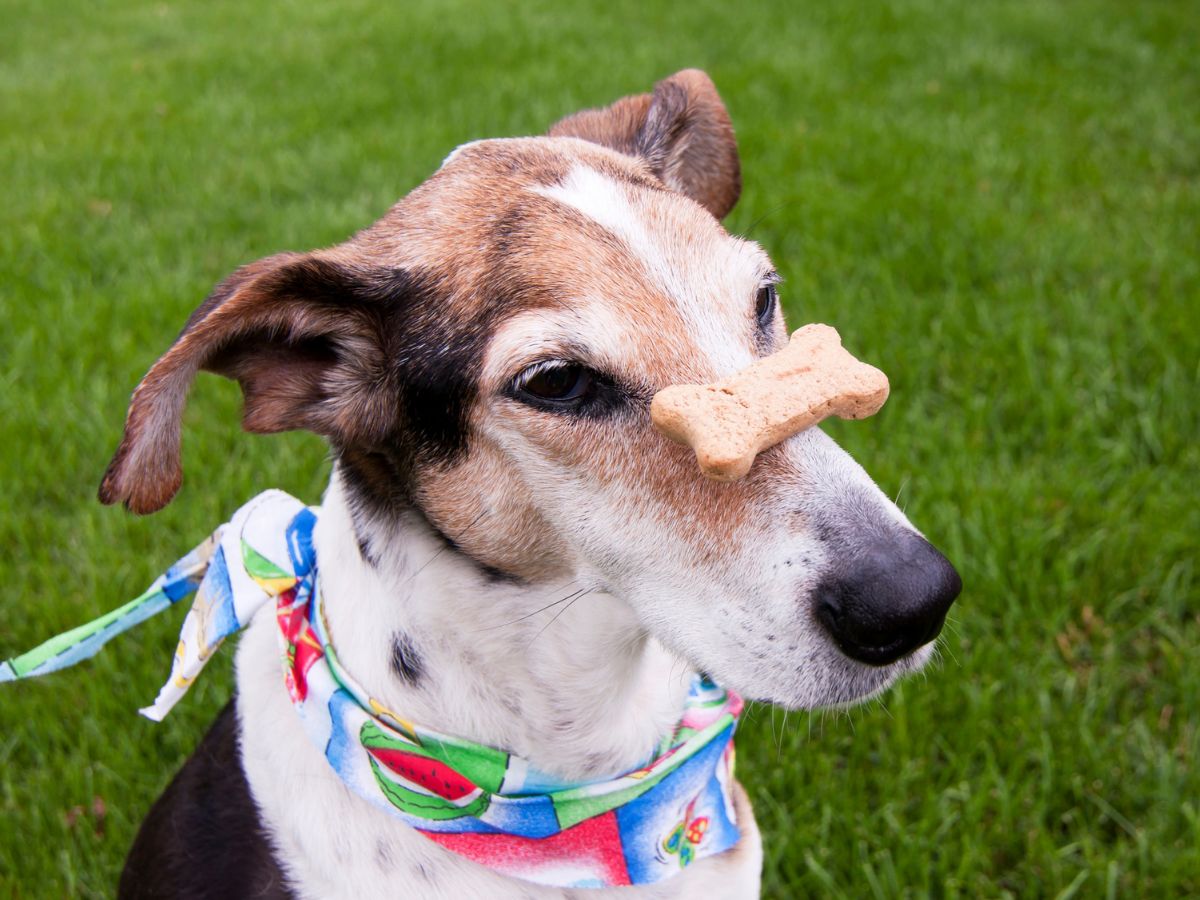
[889,599]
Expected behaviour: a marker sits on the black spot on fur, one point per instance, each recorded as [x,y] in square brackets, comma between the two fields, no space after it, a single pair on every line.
[496,576]
[406,660]
[433,360]
[365,549]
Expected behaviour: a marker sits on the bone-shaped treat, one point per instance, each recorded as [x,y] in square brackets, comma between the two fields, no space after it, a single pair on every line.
[730,422]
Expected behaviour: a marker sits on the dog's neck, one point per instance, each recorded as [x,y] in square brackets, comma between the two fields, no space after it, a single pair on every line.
[562,674]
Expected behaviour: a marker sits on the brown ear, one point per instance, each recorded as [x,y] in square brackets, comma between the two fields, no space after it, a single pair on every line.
[299,332]
[682,131]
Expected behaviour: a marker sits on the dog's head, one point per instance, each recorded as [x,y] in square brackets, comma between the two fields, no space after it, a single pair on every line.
[486,354]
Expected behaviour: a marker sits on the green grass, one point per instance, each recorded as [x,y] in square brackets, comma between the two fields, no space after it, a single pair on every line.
[998,203]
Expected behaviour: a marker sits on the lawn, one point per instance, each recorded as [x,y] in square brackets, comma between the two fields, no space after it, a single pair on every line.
[998,203]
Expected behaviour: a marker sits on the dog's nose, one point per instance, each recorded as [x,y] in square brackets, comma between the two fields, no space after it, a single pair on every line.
[891,598]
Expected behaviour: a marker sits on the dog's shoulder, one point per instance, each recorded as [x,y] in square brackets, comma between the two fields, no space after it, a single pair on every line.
[203,837]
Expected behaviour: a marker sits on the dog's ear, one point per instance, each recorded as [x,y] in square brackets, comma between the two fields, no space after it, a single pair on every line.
[682,131]
[301,333]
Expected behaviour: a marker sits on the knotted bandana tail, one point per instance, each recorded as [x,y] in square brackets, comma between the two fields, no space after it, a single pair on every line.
[484,803]
[84,642]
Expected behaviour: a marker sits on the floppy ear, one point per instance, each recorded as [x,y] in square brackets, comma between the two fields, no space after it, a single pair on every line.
[303,336]
[682,131]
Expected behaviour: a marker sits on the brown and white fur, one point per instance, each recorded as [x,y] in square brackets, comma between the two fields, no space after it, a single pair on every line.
[531,573]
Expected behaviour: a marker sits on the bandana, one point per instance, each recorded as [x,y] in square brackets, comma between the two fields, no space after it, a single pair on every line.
[481,802]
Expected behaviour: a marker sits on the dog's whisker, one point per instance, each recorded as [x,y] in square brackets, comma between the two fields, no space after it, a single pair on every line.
[446,547]
[750,710]
[944,646]
[556,617]
[782,736]
[571,596]
[951,621]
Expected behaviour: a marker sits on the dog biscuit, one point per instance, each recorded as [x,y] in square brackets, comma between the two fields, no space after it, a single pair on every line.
[730,422]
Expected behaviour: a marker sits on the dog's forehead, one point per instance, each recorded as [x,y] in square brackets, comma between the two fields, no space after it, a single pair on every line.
[695,282]
[598,250]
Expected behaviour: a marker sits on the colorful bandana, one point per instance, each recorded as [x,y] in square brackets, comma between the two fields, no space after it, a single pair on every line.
[485,804]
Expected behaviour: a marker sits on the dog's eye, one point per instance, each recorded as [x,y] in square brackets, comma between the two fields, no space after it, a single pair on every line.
[764,308]
[555,382]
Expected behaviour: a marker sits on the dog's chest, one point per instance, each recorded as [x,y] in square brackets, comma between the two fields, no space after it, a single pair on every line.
[333,844]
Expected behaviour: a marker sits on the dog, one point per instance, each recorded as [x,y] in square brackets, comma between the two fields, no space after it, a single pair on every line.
[509,551]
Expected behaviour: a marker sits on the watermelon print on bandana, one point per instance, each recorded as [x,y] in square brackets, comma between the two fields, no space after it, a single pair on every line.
[480,802]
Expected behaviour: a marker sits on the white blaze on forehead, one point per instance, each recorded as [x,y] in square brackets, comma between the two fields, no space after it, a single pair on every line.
[711,277]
